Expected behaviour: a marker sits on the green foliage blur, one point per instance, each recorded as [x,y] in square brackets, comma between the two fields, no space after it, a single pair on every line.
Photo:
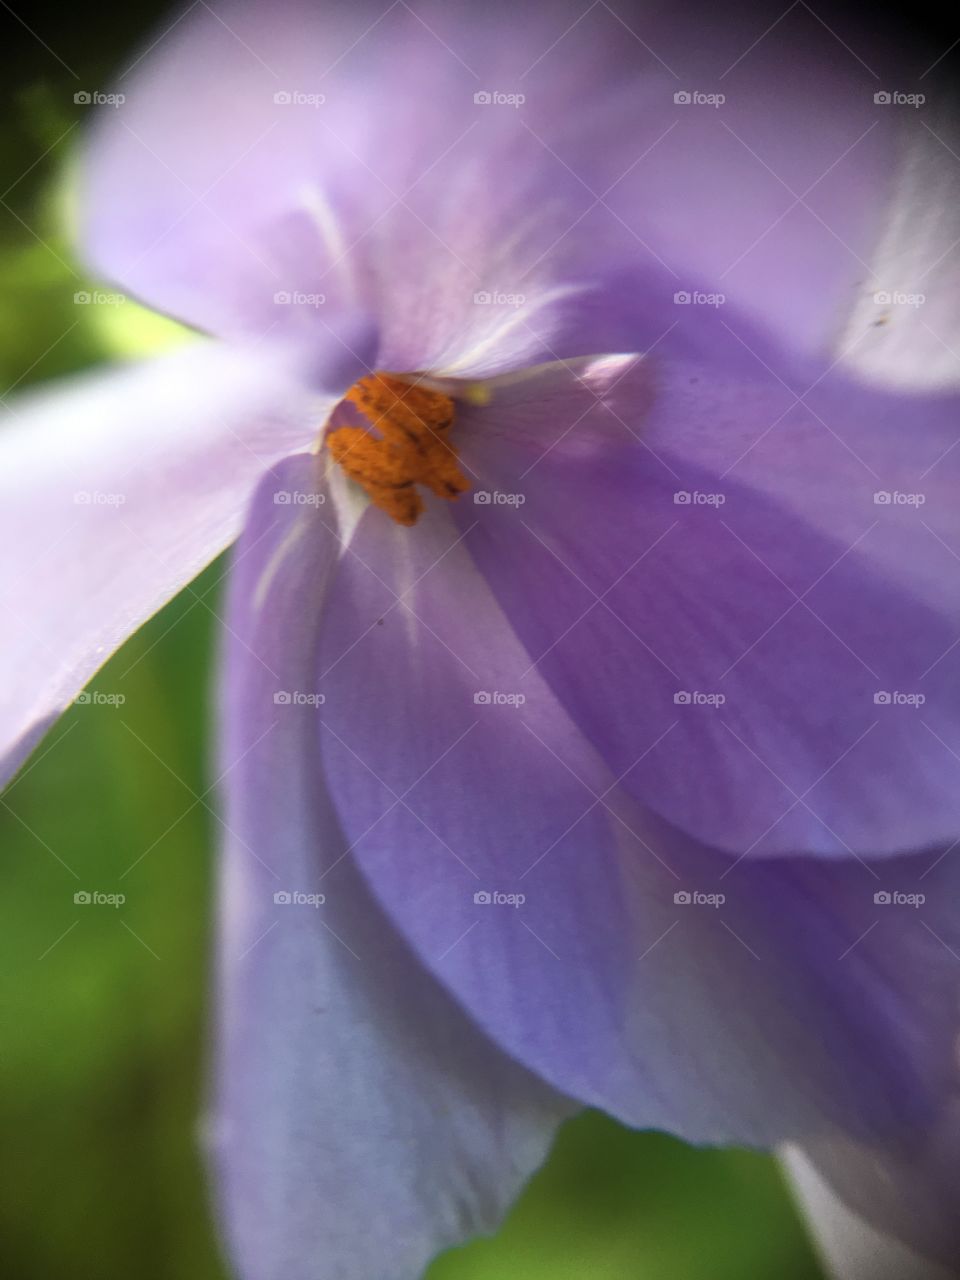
[104,1008]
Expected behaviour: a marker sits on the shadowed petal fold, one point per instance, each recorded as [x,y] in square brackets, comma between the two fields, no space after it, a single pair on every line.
[362,1123]
[635,969]
[685,600]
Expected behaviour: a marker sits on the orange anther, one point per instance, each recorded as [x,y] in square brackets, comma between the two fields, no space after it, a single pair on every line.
[406,445]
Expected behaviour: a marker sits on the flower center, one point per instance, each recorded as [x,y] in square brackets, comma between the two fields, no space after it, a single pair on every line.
[411,445]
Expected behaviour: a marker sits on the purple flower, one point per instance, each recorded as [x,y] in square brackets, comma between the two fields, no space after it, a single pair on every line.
[589,720]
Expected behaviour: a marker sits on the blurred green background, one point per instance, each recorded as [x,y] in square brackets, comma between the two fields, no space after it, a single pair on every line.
[104,1009]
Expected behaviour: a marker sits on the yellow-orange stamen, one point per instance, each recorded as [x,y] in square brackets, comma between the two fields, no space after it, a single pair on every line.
[412,447]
